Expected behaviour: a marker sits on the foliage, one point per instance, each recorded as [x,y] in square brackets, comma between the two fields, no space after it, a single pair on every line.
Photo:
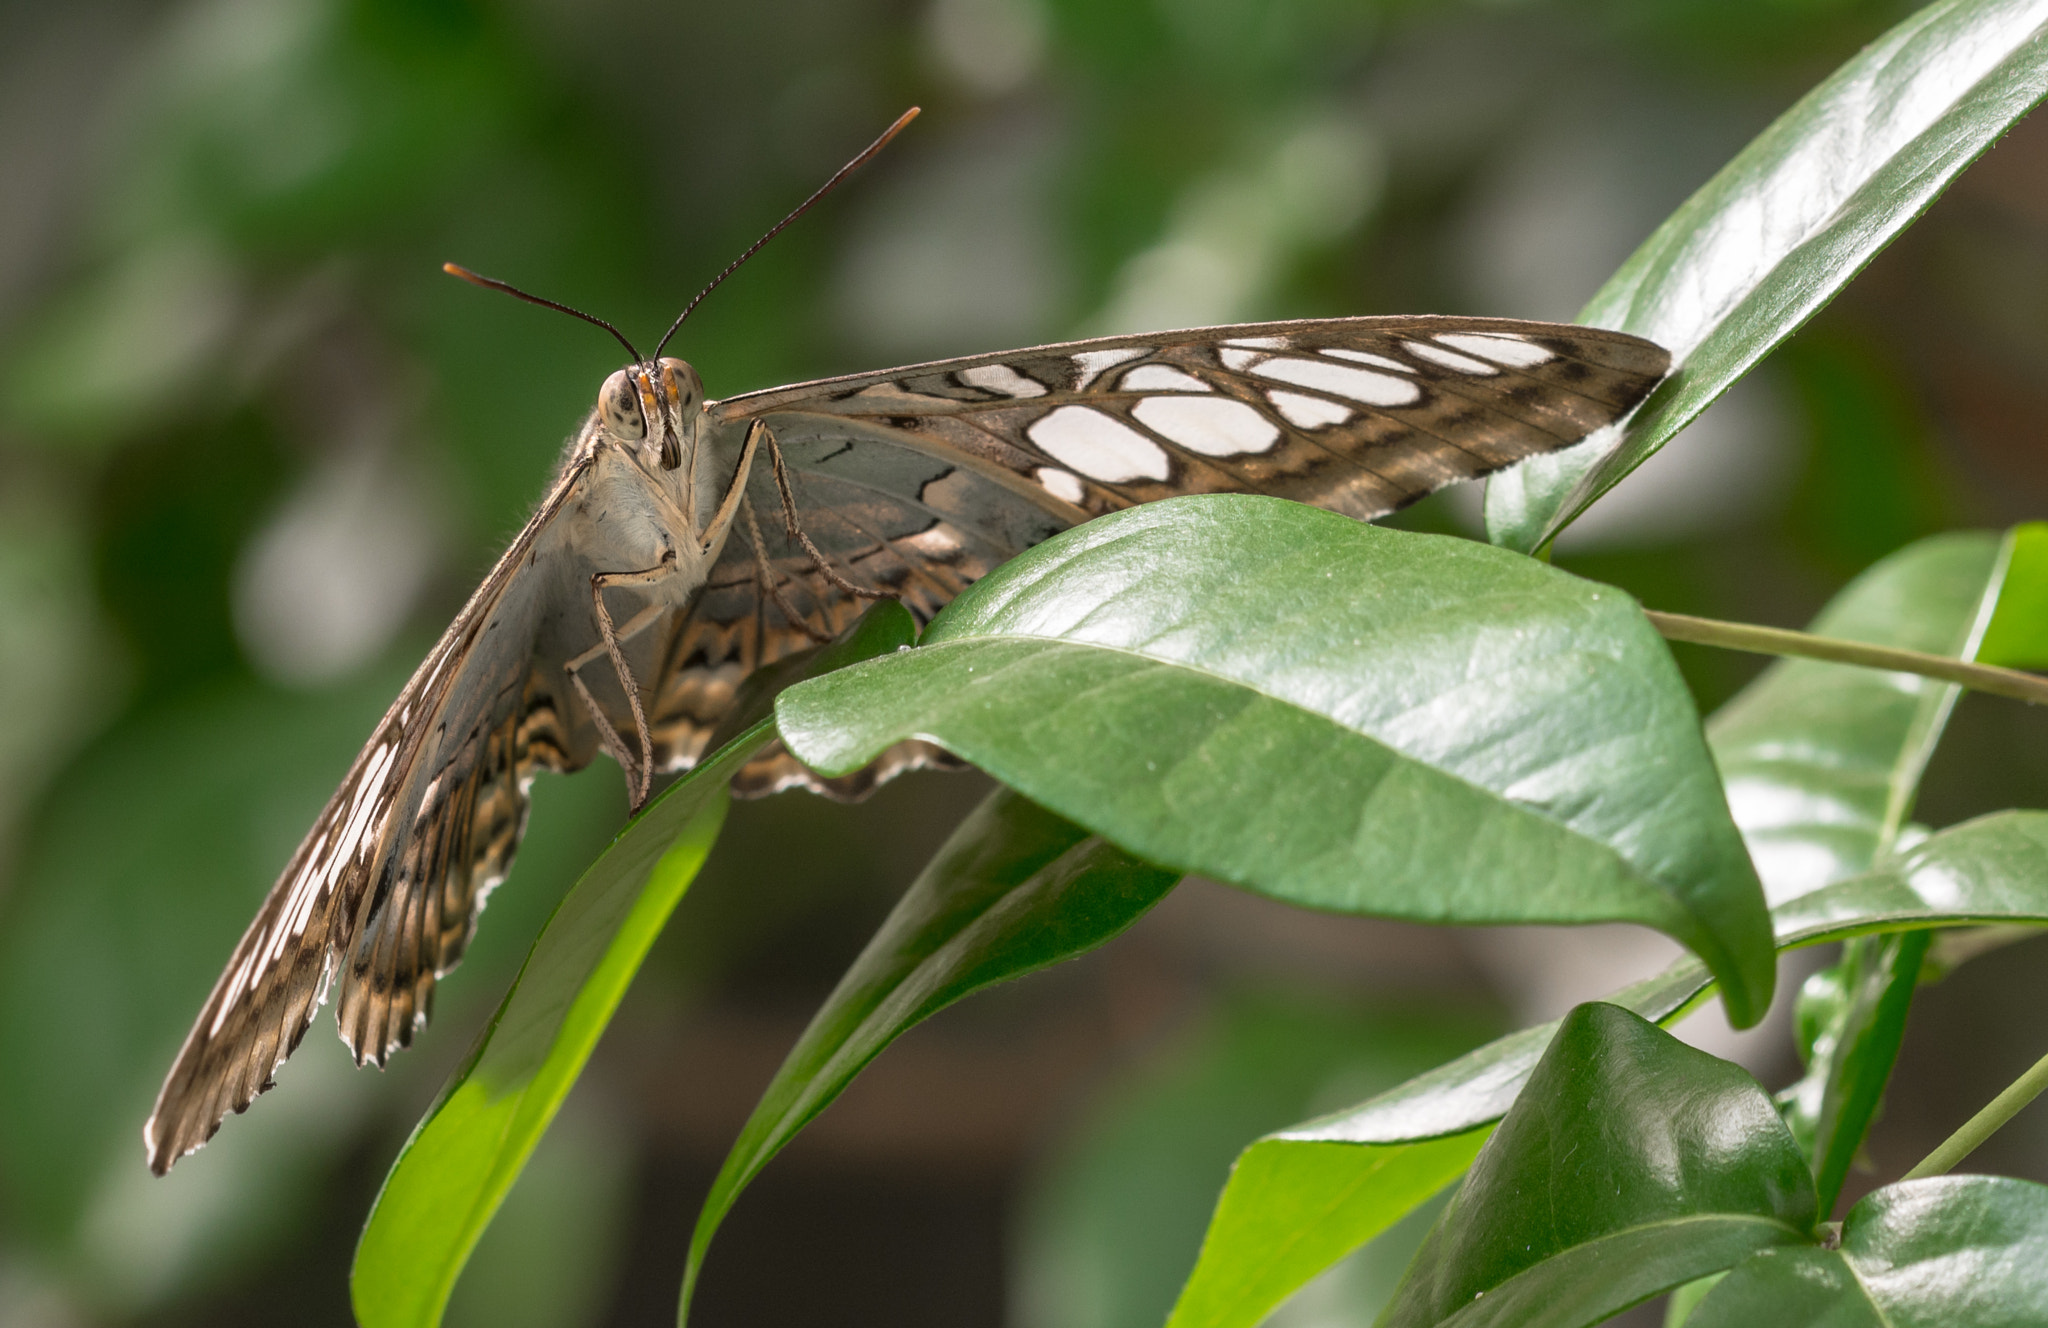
[1366,721]
[1412,726]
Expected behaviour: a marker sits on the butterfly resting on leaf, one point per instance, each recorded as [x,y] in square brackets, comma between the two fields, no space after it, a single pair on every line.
[685,543]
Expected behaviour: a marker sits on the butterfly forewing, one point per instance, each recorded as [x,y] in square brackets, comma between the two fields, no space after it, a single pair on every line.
[1362,415]
[909,483]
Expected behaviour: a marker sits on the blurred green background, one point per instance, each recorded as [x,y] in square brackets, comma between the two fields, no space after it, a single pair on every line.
[255,449]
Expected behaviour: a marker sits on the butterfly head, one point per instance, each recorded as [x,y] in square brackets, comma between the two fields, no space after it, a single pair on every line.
[653,408]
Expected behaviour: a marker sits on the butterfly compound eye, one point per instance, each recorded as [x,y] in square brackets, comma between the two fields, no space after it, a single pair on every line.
[684,387]
[618,402]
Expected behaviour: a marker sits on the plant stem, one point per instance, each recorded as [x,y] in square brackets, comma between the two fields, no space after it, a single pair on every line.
[2029,687]
[1982,1125]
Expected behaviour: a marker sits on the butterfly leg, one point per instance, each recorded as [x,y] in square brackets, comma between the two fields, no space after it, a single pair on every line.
[729,506]
[643,770]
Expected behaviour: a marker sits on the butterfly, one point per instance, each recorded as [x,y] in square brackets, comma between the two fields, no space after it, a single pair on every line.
[685,543]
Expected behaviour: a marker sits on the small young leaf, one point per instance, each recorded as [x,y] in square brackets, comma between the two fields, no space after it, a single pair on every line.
[1948,1252]
[1786,224]
[1631,1164]
[467,1151]
[1851,1053]
[1015,889]
[1340,716]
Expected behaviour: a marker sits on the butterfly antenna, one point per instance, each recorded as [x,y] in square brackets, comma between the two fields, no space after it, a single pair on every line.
[849,168]
[492,283]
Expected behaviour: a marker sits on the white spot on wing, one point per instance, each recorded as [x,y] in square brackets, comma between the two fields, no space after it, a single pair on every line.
[1362,385]
[1449,359]
[1099,447]
[1500,347]
[1238,358]
[1367,357]
[1212,426]
[1062,484]
[1161,378]
[1002,378]
[1259,343]
[1308,412]
[1089,364]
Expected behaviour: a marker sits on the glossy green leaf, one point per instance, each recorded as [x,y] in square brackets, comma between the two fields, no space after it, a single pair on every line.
[1822,761]
[1015,889]
[467,1151]
[1993,869]
[1336,715]
[1948,1252]
[1786,224]
[1990,870]
[1631,1164]
[1850,1050]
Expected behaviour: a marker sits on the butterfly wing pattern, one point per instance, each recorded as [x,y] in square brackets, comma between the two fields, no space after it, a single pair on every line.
[383,893]
[917,481]
[909,483]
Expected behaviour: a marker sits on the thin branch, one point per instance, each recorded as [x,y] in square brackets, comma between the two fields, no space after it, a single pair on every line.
[2028,687]
[1985,1123]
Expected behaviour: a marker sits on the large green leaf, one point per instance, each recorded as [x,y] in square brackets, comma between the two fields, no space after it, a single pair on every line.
[1339,716]
[1787,223]
[1821,761]
[1015,889]
[469,1149]
[1948,1252]
[1281,1222]
[1633,1163]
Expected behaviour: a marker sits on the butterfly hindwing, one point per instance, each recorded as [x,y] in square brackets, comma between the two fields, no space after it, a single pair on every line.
[381,896]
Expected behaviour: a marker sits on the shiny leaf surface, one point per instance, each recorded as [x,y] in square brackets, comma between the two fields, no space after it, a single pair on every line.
[1948,1252]
[1350,718]
[1786,224]
[1633,1163]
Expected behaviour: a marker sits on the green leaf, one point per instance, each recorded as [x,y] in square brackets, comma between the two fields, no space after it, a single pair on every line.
[1822,761]
[469,1149]
[1948,1252]
[1294,1206]
[1990,870]
[1339,716]
[1631,1164]
[1302,1198]
[2018,635]
[1850,1050]
[1787,223]
[1993,869]
[1114,1219]
[1015,889]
